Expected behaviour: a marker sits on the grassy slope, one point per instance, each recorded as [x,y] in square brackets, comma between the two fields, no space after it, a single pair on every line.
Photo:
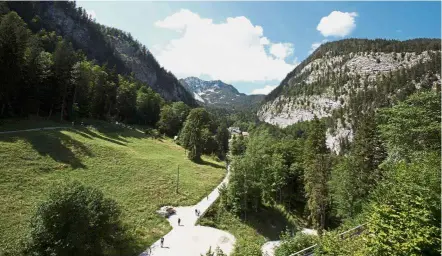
[138,172]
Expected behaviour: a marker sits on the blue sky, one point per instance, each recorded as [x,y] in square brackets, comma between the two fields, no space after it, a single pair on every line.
[252,45]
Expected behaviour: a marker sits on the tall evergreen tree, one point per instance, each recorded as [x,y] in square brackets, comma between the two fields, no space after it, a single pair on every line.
[316,174]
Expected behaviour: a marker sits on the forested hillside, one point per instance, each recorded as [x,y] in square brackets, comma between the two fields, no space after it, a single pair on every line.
[113,47]
[388,179]
[356,142]
[344,79]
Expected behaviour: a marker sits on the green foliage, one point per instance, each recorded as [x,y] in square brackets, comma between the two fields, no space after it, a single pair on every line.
[238,145]
[405,216]
[412,125]
[14,37]
[222,140]
[191,136]
[330,243]
[172,118]
[299,241]
[317,164]
[148,106]
[76,220]
[355,176]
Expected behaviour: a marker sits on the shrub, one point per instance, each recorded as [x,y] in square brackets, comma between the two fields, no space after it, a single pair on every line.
[291,245]
[76,220]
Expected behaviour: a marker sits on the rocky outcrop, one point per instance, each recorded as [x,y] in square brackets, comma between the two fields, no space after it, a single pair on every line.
[325,84]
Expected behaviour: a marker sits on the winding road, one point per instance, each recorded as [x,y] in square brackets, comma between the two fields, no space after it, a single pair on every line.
[189,239]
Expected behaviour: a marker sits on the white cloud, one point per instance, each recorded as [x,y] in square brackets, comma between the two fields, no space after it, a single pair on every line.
[91,14]
[315,45]
[281,51]
[399,31]
[266,90]
[233,50]
[337,24]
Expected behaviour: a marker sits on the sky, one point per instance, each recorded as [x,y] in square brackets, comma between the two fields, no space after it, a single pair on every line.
[253,45]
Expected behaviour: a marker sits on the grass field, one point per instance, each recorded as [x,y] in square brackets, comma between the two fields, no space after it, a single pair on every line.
[137,171]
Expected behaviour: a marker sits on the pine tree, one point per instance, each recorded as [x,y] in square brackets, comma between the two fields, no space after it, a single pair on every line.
[316,175]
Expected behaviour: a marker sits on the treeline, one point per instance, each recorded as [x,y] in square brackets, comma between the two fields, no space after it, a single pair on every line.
[388,179]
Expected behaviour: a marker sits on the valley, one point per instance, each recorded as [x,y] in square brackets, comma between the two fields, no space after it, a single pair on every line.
[104,151]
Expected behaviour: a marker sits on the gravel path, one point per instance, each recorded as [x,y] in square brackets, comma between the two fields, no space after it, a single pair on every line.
[188,239]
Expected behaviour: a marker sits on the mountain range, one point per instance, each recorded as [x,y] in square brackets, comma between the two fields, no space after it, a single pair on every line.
[219,94]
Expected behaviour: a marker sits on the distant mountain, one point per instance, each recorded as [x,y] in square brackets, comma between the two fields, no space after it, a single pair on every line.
[219,94]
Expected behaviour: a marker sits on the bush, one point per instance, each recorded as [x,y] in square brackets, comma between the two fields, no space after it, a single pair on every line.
[76,220]
[291,245]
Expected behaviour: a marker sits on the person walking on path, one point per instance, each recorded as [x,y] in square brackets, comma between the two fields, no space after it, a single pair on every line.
[196,212]
[162,242]
[179,222]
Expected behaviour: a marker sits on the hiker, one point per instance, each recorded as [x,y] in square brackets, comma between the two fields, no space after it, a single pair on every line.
[162,242]
[196,212]
[179,222]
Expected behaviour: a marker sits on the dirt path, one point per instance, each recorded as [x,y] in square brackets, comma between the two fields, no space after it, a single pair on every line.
[190,240]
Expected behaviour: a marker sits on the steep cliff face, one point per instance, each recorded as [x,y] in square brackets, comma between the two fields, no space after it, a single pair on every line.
[104,44]
[340,84]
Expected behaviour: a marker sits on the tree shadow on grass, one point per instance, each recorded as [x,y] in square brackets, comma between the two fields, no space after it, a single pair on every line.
[211,164]
[87,133]
[60,147]
[268,222]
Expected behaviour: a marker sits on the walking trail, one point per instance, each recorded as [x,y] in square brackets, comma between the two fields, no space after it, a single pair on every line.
[188,239]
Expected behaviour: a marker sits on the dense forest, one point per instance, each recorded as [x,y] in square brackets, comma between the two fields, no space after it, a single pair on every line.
[99,43]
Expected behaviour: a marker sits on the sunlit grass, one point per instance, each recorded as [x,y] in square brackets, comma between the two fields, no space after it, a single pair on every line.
[137,171]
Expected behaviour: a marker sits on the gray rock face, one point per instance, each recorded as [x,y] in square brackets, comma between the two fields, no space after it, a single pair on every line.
[128,54]
[286,110]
